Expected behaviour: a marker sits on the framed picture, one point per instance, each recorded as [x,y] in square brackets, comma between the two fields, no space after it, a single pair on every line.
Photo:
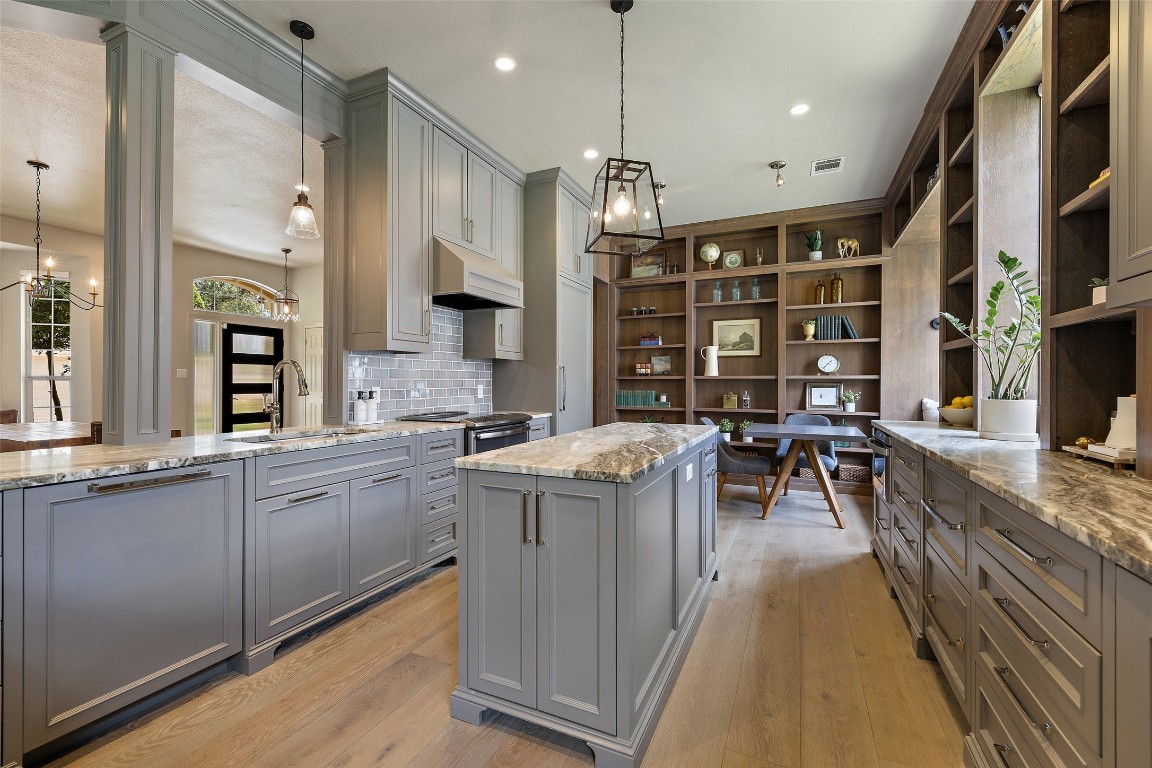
[732,259]
[737,338]
[650,264]
[662,365]
[819,396]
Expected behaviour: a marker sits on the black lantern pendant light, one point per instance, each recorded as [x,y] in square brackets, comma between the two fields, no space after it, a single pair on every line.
[625,217]
[302,221]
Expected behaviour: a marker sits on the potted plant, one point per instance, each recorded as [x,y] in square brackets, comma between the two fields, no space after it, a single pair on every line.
[815,242]
[850,398]
[726,427]
[809,329]
[1008,346]
[744,425]
[648,419]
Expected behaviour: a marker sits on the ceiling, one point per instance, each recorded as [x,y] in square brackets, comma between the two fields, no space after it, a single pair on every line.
[708,87]
[708,84]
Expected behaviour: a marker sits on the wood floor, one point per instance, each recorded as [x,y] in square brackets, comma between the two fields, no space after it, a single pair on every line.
[801,660]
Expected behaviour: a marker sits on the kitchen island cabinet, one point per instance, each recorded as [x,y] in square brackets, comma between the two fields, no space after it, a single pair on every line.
[586,565]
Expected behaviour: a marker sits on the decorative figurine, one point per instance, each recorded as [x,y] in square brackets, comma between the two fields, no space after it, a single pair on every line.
[848,247]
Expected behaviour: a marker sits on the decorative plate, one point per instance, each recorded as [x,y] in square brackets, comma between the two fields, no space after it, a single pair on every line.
[733,259]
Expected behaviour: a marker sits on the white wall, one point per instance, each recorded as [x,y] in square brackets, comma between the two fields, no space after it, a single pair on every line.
[308,282]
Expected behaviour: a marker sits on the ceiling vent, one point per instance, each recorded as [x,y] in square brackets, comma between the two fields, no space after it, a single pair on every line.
[831,165]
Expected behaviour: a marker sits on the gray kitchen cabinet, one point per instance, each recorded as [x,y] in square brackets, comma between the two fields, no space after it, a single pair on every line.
[1134,667]
[384,527]
[555,372]
[1131,154]
[389,280]
[497,334]
[130,584]
[540,428]
[301,557]
[464,196]
[572,238]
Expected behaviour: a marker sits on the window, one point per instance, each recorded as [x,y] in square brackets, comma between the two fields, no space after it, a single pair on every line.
[233,295]
[50,354]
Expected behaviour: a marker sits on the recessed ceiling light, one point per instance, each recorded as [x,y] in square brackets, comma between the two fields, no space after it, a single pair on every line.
[591,154]
[800,109]
[505,63]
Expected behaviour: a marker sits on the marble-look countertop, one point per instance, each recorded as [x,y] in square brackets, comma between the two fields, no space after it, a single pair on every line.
[24,469]
[615,453]
[1107,510]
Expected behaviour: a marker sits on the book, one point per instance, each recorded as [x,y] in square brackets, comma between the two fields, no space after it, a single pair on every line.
[849,329]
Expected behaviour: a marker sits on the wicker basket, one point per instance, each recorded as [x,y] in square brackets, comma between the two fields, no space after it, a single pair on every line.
[807,473]
[855,473]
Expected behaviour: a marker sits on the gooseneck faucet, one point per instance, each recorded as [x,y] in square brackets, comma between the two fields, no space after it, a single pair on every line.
[273,408]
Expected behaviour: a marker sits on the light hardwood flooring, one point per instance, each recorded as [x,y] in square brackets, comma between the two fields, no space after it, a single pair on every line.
[802,660]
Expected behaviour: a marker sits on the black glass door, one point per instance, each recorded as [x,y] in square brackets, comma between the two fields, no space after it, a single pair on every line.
[248,355]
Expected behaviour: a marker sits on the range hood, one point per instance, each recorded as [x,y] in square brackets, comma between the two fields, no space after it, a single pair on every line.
[466,279]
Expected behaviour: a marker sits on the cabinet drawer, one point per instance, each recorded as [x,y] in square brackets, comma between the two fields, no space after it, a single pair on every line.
[1000,741]
[905,533]
[438,538]
[946,604]
[708,456]
[1063,573]
[299,470]
[438,446]
[437,476]
[881,526]
[906,498]
[908,463]
[434,506]
[905,575]
[947,517]
[1066,669]
[539,428]
[1023,695]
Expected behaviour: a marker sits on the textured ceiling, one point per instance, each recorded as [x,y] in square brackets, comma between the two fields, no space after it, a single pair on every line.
[234,168]
[708,84]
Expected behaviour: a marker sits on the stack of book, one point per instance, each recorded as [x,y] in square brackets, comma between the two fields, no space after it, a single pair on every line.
[636,398]
[833,327]
[651,340]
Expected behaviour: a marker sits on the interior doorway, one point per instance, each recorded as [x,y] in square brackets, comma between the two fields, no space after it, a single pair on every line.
[314,372]
[248,355]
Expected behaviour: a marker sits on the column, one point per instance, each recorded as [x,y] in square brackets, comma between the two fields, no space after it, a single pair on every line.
[335,237]
[138,239]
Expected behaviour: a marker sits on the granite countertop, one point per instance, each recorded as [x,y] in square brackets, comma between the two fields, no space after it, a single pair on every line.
[616,453]
[24,469]
[1107,510]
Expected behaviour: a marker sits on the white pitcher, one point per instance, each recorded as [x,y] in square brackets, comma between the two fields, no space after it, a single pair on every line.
[710,360]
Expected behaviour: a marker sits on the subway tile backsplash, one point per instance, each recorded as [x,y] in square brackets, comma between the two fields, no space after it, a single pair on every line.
[438,381]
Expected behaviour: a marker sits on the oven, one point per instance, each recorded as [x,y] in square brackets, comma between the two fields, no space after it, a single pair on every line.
[488,438]
[881,446]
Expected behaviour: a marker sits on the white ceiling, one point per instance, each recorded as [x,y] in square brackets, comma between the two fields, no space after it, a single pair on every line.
[708,84]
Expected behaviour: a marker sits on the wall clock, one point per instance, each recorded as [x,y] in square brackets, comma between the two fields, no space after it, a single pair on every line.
[828,364]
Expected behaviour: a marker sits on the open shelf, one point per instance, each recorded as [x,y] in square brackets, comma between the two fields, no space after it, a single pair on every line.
[657,346]
[1066,4]
[835,264]
[734,303]
[655,280]
[1091,314]
[1090,93]
[963,153]
[831,413]
[1021,63]
[957,344]
[835,341]
[649,378]
[650,316]
[735,410]
[645,408]
[834,376]
[832,306]
[964,276]
[1093,199]
[964,215]
[735,378]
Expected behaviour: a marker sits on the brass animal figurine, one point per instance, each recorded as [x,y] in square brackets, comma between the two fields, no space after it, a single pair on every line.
[849,247]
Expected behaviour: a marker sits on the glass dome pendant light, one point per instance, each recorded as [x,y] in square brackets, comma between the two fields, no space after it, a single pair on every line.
[302,221]
[286,303]
[625,217]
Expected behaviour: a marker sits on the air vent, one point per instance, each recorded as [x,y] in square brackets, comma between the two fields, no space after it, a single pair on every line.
[831,165]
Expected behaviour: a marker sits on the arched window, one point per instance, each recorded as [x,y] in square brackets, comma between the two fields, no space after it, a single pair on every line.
[234,295]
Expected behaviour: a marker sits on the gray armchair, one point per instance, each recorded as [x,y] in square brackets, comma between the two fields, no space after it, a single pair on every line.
[728,459]
[825,447]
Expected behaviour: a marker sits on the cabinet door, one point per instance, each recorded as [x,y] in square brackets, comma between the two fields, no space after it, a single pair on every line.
[483,227]
[509,322]
[384,526]
[574,357]
[1132,148]
[449,188]
[410,262]
[127,590]
[576,601]
[690,557]
[1134,662]
[585,262]
[501,601]
[301,557]
[566,257]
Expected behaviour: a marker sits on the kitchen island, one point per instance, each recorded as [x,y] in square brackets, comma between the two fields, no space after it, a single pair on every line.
[586,562]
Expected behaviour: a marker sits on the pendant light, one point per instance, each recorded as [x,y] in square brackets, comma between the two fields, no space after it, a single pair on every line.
[778,166]
[286,303]
[302,221]
[625,217]
[41,285]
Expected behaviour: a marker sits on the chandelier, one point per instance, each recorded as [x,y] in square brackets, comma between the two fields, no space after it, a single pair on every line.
[286,303]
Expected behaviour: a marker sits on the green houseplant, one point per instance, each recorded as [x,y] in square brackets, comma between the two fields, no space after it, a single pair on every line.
[1008,340]
[744,425]
[648,419]
[850,398]
[726,426]
[815,241]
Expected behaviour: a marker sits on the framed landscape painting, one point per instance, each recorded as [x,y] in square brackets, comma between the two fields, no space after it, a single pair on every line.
[737,338]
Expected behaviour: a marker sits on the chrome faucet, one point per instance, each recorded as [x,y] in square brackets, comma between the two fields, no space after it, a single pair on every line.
[273,408]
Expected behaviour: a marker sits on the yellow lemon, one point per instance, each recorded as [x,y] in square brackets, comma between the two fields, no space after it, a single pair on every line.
[968,401]
[957,402]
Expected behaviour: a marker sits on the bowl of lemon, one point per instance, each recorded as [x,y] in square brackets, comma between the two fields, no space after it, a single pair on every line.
[960,413]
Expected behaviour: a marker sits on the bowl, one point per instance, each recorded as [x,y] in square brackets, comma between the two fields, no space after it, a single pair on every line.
[960,417]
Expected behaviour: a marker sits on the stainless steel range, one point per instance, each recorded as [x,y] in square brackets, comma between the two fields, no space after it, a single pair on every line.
[482,432]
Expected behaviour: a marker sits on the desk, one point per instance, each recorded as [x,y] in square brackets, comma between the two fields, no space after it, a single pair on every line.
[803,437]
[45,434]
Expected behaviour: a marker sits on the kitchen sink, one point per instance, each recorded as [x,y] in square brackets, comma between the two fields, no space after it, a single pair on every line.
[282,437]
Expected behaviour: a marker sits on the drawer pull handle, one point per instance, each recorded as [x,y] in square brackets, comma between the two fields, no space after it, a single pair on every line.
[1004,604]
[1003,673]
[442,537]
[307,497]
[524,516]
[930,510]
[1006,535]
[905,462]
[710,451]
[441,475]
[537,429]
[539,526]
[881,521]
[907,581]
[451,502]
[151,482]
[929,601]
[442,446]
[908,541]
[904,498]
[387,478]
[1001,751]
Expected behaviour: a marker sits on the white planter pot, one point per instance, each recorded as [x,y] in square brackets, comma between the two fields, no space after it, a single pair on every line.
[815,255]
[1099,294]
[727,436]
[747,439]
[1013,420]
[850,407]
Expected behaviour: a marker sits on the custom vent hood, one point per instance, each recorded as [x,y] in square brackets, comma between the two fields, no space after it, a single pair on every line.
[465,279]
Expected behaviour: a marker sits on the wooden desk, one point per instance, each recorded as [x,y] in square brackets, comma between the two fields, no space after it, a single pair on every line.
[804,437]
[45,434]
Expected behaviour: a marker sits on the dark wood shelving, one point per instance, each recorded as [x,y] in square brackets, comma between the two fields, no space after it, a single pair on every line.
[648,317]
[831,413]
[645,408]
[650,378]
[734,303]
[1020,64]
[1066,4]
[964,215]
[1092,92]
[833,376]
[832,306]
[736,410]
[836,264]
[835,341]
[1091,314]
[660,346]
[631,282]
[736,378]
[964,276]
[957,344]
[1092,199]
[963,153]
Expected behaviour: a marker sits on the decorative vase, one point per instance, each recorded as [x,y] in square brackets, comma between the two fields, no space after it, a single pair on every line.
[735,290]
[717,292]
[837,288]
[820,292]
[850,407]
[727,436]
[755,289]
[815,255]
[809,331]
[1012,420]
